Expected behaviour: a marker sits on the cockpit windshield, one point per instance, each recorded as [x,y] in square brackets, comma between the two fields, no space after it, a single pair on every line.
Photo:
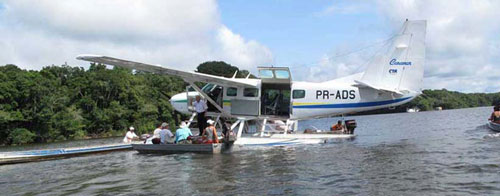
[265,73]
[282,74]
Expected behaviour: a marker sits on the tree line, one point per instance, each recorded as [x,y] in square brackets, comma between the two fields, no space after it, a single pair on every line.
[443,99]
[63,103]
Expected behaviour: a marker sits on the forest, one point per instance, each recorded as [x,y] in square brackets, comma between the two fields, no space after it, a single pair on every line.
[66,103]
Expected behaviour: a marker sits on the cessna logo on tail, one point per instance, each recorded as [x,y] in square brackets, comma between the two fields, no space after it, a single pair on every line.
[395,62]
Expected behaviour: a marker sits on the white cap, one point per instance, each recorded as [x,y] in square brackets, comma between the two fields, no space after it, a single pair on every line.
[131,128]
[183,125]
[164,124]
[210,121]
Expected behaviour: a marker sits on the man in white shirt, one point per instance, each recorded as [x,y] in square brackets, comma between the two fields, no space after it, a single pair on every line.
[130,135]
[156,132]
[201,107]
[165,134]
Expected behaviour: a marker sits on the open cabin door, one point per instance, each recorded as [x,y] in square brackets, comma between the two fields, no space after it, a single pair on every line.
[215,92]
[276,87]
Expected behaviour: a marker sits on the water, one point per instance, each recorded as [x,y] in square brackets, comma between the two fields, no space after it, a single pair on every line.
[428,153]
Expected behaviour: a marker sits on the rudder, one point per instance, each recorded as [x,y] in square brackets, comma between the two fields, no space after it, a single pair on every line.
[401,67]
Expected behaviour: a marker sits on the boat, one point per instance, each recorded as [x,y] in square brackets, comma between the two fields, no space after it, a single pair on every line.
[37,155]
[246,140]
[494,126]
[180,148]
[264,137]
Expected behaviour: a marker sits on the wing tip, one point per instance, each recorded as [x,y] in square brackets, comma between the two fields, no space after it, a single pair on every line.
[87,57]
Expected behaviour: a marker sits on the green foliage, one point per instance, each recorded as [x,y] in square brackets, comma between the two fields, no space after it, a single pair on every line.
[21,136]
[221,68]
[430,99]
[62,102]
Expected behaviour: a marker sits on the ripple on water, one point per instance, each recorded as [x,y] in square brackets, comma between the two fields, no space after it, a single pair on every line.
[434,153]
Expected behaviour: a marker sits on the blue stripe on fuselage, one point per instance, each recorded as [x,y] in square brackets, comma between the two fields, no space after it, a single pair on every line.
[353,105]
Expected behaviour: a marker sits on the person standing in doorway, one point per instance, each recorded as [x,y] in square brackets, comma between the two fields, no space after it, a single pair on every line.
[201,107]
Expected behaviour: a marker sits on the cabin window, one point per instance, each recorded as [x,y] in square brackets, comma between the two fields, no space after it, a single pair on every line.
[232,92]
[265,73]
[250,92]
[282,74]
[299,94]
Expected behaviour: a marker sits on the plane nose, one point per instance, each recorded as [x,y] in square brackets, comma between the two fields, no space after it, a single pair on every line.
[179,102]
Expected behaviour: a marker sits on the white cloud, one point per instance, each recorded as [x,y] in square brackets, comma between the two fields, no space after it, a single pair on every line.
[463,45]
[179,34]
[461,37]
[329,68]
[234,48]
[343,8]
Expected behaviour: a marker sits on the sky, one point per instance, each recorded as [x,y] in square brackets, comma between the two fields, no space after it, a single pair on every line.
[318,39]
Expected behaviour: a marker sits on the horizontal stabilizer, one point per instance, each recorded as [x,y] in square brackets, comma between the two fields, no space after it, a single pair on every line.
[362,84]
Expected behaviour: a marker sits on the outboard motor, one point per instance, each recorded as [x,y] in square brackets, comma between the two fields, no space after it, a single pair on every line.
[229,136]
[350,126]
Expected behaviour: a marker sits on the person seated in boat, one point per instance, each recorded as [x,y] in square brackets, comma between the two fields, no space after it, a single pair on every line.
[182,134]
[156,132]
[337,127]
[130,135]
[165,134]
[210,133]
[495,116]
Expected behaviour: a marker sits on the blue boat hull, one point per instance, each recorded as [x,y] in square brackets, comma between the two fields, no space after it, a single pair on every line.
[36,155]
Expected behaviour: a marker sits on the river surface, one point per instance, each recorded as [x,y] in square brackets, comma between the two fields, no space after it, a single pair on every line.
[427,153]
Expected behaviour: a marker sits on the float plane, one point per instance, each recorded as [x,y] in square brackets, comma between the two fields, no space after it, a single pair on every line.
[390,79]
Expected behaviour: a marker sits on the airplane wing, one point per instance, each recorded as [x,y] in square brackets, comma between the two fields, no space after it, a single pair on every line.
[188,76]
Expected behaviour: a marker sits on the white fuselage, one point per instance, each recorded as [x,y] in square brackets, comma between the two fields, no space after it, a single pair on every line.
[324,99]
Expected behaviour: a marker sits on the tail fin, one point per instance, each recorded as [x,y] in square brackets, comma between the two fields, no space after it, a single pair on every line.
[401,68]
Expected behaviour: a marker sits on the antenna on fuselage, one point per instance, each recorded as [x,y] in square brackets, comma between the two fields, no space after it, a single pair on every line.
[234,76]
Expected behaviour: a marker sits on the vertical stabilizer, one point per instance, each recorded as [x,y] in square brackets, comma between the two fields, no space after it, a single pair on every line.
[401,67]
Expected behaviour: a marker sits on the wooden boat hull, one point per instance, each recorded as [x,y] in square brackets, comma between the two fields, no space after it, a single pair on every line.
[494,126]
[180,148]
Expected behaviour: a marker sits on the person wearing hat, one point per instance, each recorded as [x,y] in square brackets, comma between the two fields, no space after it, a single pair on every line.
[165,134]
[210,133]
[182,134]
[130,135]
